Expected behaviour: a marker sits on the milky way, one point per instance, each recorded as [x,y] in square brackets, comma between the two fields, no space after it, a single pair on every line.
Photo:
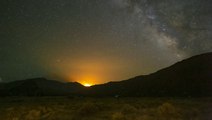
[98,41]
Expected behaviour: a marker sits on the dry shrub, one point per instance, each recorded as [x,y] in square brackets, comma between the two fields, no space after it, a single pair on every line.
[28,113]
[88,109]
[128,109]
[15,118]
[167,111]
[46,112]
[33,115]
[13,113]
[145,117]
[118,116]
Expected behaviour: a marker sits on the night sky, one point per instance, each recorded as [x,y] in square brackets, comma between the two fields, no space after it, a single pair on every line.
[97,41]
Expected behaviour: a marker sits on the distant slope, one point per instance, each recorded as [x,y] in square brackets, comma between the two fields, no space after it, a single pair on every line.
[39,87]
[190,77]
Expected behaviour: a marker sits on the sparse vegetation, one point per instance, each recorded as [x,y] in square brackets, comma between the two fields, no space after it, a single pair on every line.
[63,108]
[88,109]
[167,111]
[118,116]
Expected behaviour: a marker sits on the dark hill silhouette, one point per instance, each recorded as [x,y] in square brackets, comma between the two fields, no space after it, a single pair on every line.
[188,78]
[39,87]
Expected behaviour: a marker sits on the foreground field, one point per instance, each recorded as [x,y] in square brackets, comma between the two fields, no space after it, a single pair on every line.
[67,108]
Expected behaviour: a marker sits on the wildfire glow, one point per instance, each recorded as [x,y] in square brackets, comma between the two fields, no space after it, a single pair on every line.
[87,85]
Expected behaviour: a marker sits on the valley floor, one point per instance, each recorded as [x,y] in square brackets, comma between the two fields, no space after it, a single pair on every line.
[68,108]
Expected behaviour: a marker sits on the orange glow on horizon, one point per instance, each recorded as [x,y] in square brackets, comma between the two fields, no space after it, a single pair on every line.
[87,85]
[87,70]
[86,80]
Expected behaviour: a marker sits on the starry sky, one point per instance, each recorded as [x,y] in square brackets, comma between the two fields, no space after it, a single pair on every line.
[97,41]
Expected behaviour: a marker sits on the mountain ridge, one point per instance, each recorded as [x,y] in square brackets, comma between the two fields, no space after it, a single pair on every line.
[191,77]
